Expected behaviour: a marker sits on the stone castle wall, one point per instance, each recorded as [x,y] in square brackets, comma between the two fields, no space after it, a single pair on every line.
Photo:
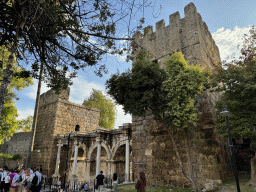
[18,144]
[152,148]
[58,116]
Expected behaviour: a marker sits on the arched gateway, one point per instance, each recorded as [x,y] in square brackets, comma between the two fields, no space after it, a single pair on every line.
[68,140]
[89,153]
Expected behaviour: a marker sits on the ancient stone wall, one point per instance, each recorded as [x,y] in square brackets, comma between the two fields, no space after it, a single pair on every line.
[58,116]
[152,148]
[18,144]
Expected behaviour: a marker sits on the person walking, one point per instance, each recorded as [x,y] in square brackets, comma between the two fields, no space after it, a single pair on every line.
[35,180]
[15,182]
[7,181]
[99,179]
[141,183]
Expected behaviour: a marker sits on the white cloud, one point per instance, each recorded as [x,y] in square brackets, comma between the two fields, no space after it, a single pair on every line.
[121,117]
[81,89]
[31,92]
[22,114]
[228,40]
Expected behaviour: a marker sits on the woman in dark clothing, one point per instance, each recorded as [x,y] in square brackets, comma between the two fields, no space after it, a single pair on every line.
[141,183]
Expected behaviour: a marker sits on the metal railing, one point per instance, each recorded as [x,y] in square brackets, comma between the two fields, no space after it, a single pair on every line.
[48,185]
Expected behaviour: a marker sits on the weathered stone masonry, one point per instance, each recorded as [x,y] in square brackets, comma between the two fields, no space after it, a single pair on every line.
[58,116]
[152,148]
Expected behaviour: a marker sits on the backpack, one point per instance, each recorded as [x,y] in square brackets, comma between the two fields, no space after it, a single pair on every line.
[34,180]
[20,178]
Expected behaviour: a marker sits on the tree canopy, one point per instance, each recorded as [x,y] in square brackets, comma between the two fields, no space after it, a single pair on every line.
[106,106]
[170,89]
[66,35]
[8,122]
[25,125]
[237,82]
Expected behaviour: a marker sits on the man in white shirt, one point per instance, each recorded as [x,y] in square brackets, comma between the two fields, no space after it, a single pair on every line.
[1,186]
[4,173]
[36,187]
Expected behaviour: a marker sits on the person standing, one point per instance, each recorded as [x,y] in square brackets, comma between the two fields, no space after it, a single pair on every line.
[15,182]
[35,180]
[115,182]
[7,180]
[86,187]
[141,183]
[20,180]
[99,180]
[4,173]
[12,174]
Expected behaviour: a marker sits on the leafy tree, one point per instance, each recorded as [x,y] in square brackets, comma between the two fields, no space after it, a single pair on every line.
[237,82]
[106,106]
[65,35]
[169,93]
[25,125]
[8,122]
[62,35]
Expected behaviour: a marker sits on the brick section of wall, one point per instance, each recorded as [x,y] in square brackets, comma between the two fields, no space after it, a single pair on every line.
[18,144]
[152,148]
[58,116]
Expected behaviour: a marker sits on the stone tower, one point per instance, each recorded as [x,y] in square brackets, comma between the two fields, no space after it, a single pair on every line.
[57,115]
[152,148]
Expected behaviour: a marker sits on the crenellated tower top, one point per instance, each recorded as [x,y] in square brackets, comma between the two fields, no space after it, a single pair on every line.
[189,34]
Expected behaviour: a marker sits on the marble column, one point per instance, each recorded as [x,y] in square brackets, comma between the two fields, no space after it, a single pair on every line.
[56,174]
[98,140]
[127,160]
[74,176]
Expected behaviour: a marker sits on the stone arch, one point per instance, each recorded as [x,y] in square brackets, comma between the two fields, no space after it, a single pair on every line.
[120,143]
[104,145]
[80,147]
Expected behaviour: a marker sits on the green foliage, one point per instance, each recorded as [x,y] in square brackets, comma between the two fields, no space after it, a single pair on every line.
[64,35]
[8,122]
[16,157]
[11,157]
[106,106]
[139,90]
[183,84]
[237,82]
[25,125]
[148,87]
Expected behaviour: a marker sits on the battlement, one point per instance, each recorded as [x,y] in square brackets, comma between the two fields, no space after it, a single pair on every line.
[174,20]
[189,34]
[50,96]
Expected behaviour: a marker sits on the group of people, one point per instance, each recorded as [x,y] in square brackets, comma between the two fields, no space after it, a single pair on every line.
[21,180]
[140,184]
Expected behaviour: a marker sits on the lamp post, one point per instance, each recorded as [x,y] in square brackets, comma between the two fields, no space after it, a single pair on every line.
[225,114]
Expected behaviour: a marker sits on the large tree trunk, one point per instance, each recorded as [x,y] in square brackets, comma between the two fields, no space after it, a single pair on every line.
[188,176]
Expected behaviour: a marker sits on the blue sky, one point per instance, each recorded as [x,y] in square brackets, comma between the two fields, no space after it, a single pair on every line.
[227,20]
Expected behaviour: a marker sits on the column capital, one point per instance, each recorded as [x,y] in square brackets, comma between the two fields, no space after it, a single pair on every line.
[59,144]
[59,141]
[88,160]
[126,138]
[98,139]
